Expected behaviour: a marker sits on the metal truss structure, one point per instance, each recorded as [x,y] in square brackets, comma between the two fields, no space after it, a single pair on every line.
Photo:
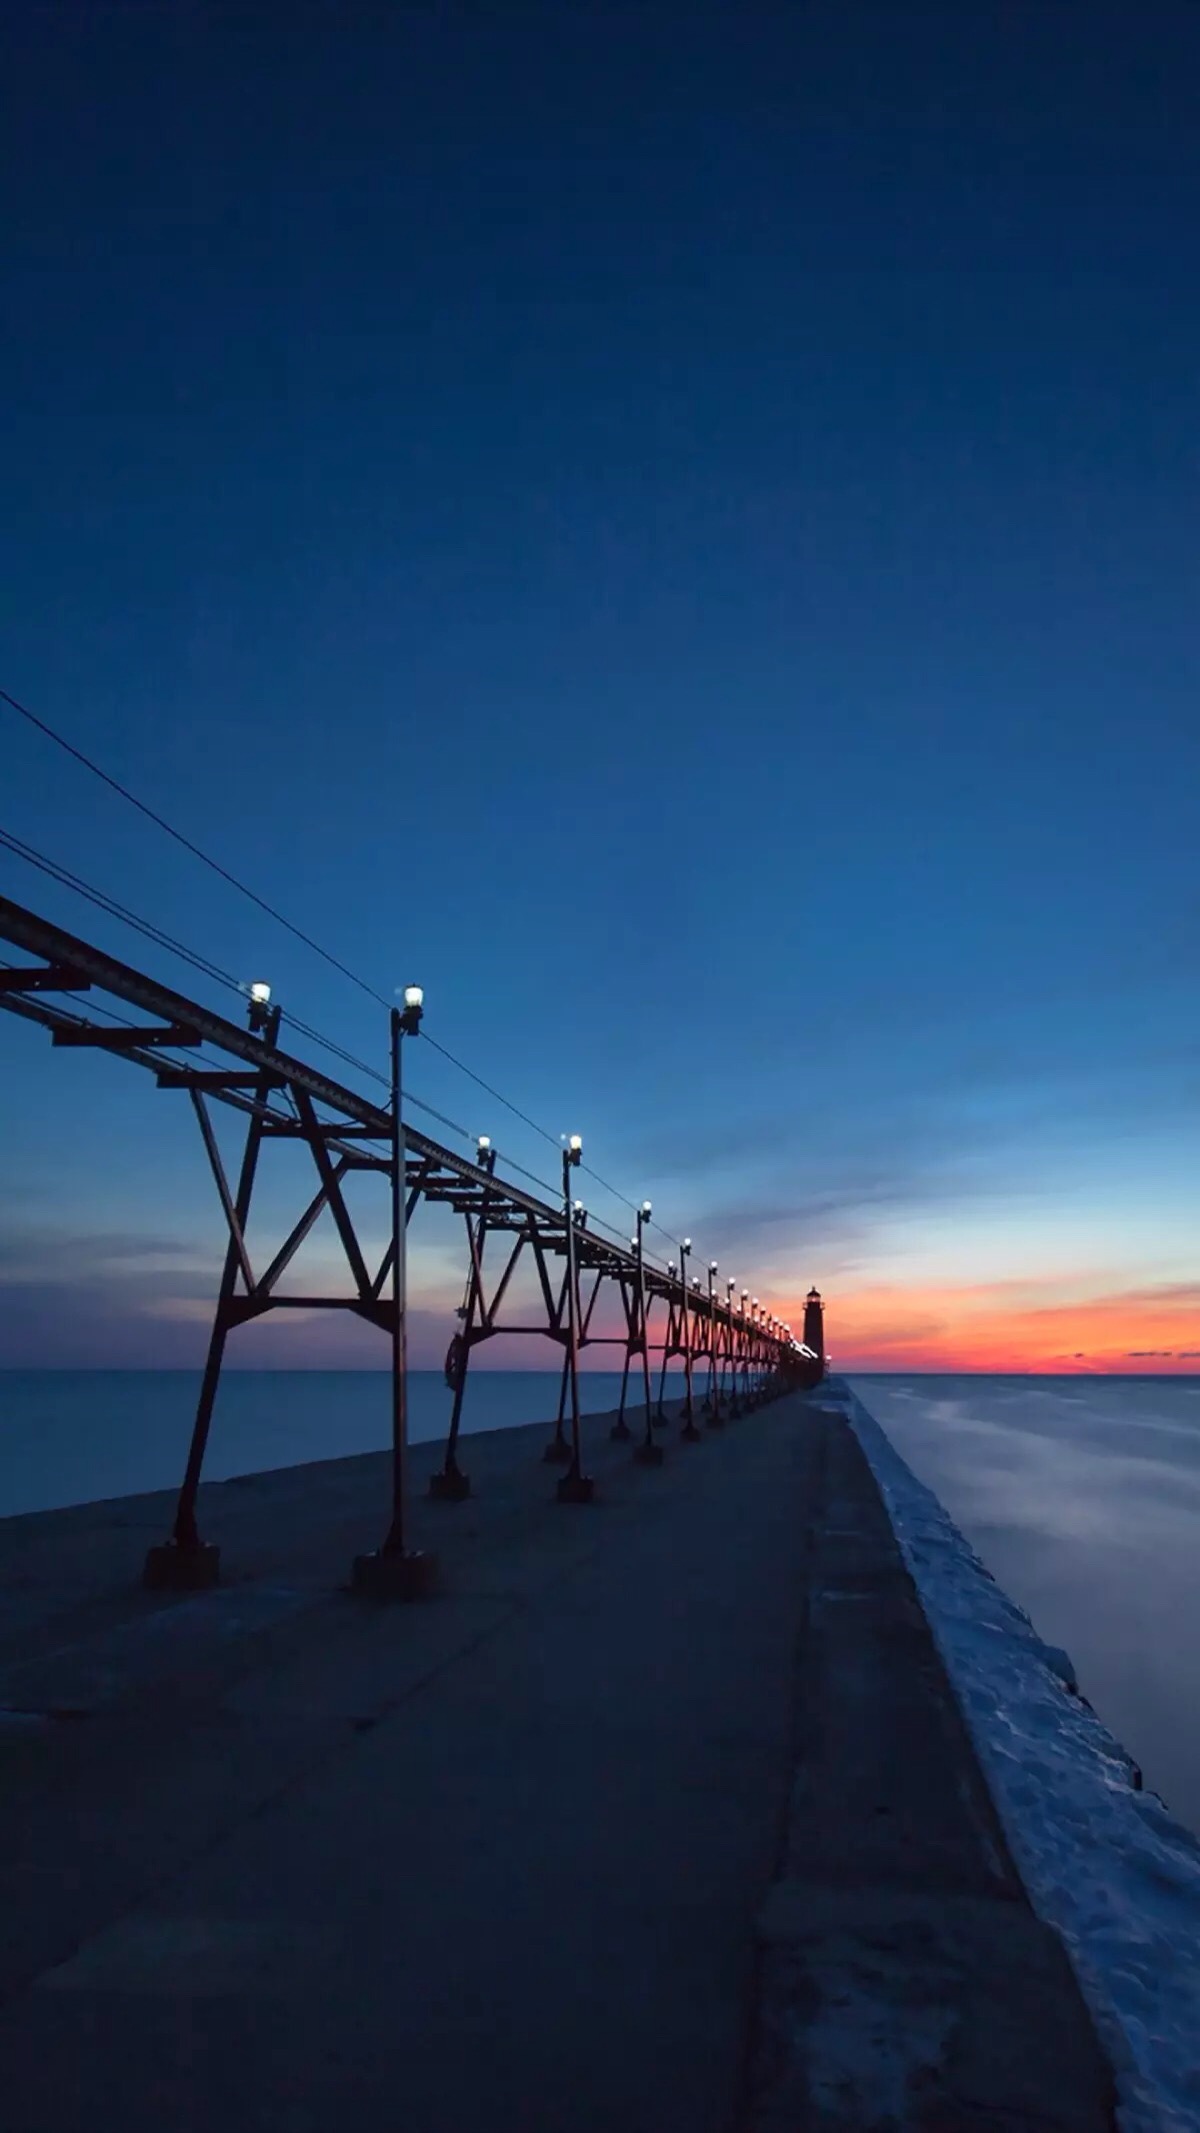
[742,1353]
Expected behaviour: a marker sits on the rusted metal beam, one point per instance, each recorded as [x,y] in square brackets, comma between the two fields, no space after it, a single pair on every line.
[127,1040]
[55,977]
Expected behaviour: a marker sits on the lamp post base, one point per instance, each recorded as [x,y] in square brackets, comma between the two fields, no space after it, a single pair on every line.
[576,1488]
[689,1434]
[407,1574]
[648,1454]
[451,1485]
[620,1433]
[170,1568]
[557,1453]
[716,1420]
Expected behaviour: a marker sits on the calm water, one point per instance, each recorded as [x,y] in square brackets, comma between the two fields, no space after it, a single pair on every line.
[72,1436]
[1082,1495]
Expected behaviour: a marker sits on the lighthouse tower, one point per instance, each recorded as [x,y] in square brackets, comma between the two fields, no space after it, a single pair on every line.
[814,1324]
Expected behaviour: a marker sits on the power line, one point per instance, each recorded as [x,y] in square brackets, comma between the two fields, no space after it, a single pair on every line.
[115,909]
[115,785]
[215,866]
[486,1085]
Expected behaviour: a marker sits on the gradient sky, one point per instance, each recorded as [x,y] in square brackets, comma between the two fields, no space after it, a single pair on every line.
[678,528]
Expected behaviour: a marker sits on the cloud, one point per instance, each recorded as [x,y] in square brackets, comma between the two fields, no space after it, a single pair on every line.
[118,1299]
[1010,1325]
[28,1253]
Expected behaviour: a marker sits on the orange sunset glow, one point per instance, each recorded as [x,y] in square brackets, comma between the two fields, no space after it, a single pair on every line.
[1003,1326]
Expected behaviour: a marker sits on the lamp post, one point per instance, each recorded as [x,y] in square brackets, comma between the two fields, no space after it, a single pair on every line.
[714,1390]
[575,1486]
[647,1453]
[684,1255]
[730,1379]
[620,1433]
[395,1571]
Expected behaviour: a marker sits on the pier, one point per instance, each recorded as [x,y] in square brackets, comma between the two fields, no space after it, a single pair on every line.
[656,1815]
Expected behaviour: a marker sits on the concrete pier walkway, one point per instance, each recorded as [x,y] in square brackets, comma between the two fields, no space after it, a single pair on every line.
[647,1823]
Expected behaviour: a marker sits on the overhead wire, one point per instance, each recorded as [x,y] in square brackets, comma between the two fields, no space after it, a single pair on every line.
[214,865]
[234,881]
[149,931]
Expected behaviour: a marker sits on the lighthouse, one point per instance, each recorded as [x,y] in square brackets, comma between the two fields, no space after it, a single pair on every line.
[814,1324]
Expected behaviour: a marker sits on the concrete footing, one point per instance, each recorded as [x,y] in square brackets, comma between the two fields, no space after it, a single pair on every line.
[170,1568]
[411,1575]
[557,1454]
[576,1488]
[451,1486]
[648,1454]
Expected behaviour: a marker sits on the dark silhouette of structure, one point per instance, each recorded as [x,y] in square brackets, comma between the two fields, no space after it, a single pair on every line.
[751,1353]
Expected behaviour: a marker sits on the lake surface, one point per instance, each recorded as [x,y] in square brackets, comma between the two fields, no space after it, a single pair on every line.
[1082,1495]
[73,1436]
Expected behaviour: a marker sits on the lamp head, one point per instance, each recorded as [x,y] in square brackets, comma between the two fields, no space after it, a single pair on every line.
[414,1001]
[645,1210]
[575,1148]
[258,1014]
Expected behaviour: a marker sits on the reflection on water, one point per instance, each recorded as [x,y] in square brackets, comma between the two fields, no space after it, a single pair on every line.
[1082,1495]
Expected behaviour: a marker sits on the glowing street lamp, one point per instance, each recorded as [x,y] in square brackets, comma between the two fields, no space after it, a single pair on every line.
[689,1419]
[259,1013]
[647,1452]
[575,1486]
[396,1571]
[713,1400]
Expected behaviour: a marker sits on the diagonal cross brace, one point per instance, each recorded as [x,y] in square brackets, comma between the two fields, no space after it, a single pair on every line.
[333,1194]
[295,1238]
[218,1170]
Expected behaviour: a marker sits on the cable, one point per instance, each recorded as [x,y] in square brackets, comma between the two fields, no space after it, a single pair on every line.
[153,933]
[115,909]
[487,1087]
[151,815]
[105,902]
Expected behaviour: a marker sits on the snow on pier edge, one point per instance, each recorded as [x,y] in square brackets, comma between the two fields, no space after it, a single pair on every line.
[1101,1859]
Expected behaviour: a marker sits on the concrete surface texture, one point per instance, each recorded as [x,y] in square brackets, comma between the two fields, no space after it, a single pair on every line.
[658,1816]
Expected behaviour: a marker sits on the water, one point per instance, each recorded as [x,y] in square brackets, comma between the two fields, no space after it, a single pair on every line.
[1082,1495]
[73,1436]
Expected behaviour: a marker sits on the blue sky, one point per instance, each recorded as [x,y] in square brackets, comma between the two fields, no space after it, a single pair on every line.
[675,527]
